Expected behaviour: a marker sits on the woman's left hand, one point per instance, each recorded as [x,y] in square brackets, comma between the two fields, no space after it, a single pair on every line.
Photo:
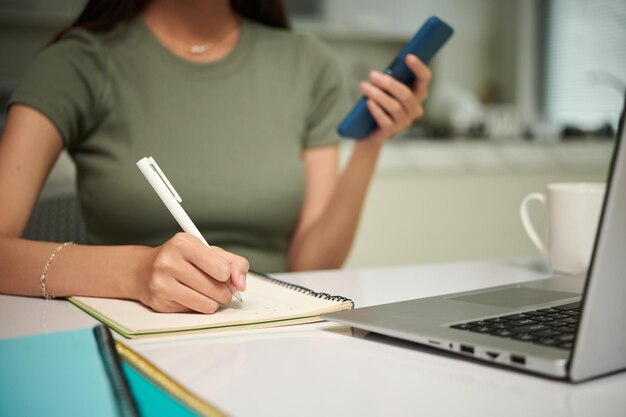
[394,105]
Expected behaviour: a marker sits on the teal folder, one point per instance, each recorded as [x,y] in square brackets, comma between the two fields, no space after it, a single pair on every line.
[86,373]
[72,373]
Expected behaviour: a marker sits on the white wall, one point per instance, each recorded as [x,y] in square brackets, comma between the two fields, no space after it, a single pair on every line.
[422,219]
[458,201]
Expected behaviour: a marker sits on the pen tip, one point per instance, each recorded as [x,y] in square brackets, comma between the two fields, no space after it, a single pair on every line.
[237,295]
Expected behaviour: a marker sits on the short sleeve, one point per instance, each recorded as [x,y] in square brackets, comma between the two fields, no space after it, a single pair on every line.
[65,82]
[329,98]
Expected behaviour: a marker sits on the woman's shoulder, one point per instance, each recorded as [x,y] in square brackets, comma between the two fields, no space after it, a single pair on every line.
[77,51]
[80,41]
[75,47]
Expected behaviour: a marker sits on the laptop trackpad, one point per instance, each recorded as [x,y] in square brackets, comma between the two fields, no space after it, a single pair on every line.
[514,297]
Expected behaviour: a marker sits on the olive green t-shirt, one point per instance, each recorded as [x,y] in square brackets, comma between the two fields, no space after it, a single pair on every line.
[228,134]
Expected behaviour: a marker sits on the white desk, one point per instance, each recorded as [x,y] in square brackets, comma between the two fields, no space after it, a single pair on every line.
[322,370]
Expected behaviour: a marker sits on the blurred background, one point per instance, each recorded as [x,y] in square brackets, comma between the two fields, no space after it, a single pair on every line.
[525,93]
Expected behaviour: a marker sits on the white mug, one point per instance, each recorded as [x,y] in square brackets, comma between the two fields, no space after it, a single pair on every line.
[573,212]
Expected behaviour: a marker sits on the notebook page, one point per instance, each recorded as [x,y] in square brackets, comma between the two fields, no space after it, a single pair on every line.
[263,301]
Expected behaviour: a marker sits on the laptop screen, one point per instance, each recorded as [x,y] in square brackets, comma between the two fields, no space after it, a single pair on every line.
[601,339]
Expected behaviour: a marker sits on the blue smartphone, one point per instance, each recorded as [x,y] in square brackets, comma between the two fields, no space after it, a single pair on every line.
[433,34]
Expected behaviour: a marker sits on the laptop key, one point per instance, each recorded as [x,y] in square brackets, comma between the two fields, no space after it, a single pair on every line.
[566,345]
[535,314]
[543,318]
[479,323]
[566,337]
[522,322]
[567,329]
[530,329]
[515,317]
[462,326]
[503,333]
[555,323]
[549,310]
[547,333]
[496,320]
[546,341]
[481,329]
[526,337]
[569,306]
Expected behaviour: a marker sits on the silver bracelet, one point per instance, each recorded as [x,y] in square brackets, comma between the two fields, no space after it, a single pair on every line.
[44,273]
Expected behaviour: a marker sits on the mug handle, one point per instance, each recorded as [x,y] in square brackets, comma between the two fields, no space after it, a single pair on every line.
[528,226]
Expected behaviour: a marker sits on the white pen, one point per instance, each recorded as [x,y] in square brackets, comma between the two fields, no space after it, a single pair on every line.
[171,199]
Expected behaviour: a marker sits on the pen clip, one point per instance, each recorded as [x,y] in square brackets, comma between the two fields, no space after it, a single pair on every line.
[161,175]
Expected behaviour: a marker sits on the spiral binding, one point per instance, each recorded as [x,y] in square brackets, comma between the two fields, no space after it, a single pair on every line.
[303,290]
[126,405]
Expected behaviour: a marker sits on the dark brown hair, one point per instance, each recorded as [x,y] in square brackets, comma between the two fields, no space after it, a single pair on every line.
[102,15]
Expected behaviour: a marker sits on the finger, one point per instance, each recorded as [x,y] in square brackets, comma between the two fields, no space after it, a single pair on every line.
[399,91]
[169,306]
[158,297]
[383,120]
[197,280]
[239,267]
[387,103]
[423,75]
[204,258]
[191,299]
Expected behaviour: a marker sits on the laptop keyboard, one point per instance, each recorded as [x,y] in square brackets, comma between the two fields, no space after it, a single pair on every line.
[553,327]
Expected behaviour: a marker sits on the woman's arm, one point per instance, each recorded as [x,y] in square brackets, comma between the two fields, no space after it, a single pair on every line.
[332,205]
[180,275]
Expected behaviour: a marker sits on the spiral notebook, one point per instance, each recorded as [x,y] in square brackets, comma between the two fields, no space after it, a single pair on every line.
[268,302]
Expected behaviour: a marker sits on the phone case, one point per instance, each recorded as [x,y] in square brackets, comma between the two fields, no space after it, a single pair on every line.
[433,34]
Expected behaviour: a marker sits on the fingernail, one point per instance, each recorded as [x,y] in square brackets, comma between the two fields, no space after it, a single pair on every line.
[242,281]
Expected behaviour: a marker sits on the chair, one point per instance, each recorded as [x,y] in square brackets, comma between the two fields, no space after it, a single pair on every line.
[57,219]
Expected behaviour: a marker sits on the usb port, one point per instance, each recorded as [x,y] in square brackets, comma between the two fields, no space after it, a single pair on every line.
[518,360]
[467,349]
[493,355]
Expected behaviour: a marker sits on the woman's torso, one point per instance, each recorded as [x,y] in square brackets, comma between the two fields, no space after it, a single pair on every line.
[228,134]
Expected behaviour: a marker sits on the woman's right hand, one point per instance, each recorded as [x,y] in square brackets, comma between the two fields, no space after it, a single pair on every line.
[184,275]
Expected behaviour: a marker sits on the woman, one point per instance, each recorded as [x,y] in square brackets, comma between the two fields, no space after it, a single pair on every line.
[238,111]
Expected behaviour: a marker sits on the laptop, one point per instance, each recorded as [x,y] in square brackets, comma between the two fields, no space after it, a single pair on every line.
[566,327]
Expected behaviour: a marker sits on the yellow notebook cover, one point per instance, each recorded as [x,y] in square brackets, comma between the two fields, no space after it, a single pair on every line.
[268,302]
